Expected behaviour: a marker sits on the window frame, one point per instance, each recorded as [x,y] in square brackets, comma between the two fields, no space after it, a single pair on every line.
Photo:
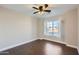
[45,28]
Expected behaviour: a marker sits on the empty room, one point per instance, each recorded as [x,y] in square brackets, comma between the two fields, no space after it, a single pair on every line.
[39,29]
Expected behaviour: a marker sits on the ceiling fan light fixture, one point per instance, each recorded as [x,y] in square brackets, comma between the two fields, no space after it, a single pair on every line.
[41,13]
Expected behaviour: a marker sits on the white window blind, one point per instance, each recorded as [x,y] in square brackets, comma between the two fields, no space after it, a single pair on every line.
[52,28]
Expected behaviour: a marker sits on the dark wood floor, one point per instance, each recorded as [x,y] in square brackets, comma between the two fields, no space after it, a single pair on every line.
[42,47]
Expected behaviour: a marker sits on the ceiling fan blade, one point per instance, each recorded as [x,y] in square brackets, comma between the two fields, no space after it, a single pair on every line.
[35,12]
[47,10]
[46,5]
[35,8]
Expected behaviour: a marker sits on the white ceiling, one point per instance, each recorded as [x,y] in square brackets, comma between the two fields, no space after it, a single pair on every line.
[56,9]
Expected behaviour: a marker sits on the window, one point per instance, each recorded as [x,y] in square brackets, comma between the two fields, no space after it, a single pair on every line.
[52,28]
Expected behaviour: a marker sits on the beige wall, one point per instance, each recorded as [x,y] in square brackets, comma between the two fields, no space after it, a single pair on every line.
[70,28]
[78,28]
[70,25]
[15,28]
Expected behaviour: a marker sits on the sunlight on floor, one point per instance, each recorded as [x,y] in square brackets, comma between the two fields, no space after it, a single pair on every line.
[52,49]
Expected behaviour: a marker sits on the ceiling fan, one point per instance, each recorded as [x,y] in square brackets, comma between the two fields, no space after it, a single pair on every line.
[41,9]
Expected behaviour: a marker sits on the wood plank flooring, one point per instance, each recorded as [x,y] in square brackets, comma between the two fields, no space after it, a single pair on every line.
[42,47]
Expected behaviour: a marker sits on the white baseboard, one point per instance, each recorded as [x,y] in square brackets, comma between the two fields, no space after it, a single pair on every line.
[61,43]
[12,46]
[55,41]
[71,46]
